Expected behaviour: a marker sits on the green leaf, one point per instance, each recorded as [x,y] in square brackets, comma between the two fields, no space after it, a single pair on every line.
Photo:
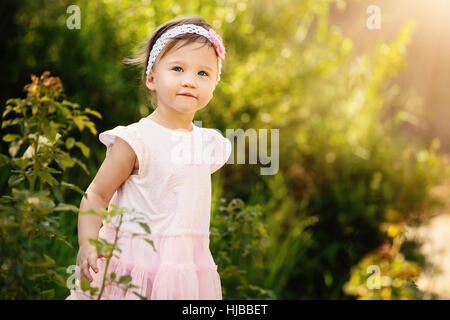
[57,274]
[4,160]
[45,99]
[60,164]
[48,294]
[145,227]
[70,142]
[72,186]
[66,103]
[80,121]
[14,180]
[84,149]
[10,122]
[125,279]
[141,297]
[150,242]
[34,109]
[85,284]
[21,163]
[51,135]
[49,262]
[7,110]
[82,165]
[35,276]
[14,147]
[52,170]
[93,112]
[47,177]
[91,127]
[98,245]
[130,286]
[11,101]
[66,160]
[93,290]
[90,211]
[66,207]
[64,110]
[10,137]
[58,194]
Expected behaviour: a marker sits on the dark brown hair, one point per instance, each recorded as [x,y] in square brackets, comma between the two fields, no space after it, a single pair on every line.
[141,59]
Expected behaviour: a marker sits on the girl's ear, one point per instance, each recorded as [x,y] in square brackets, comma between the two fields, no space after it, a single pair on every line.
[150,82]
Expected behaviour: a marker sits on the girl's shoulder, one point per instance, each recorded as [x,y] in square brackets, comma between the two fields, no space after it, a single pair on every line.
[131,133]
[212,133]
[126,132]
[216,136]
[221,147]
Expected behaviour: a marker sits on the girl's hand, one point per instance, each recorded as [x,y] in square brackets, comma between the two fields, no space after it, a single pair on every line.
[87,257]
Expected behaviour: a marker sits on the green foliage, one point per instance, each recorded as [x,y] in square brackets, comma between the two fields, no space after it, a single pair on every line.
[30,212]
[238,240]
[343,161]
[111,250]
[385,273]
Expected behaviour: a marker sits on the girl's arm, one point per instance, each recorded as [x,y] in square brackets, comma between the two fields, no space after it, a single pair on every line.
[89,224]
[115,169]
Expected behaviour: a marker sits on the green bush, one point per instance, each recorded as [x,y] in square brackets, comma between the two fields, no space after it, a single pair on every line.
[31,211]
[111,250]
[238,240]
[385,273]
[344,163]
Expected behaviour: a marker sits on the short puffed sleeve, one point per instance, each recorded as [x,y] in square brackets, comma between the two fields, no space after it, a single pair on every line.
[222,150]
[131,135]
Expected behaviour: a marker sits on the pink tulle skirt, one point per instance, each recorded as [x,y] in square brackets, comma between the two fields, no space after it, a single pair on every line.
[182,267]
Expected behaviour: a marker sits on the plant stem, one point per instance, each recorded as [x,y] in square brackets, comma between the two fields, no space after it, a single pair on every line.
[110,257]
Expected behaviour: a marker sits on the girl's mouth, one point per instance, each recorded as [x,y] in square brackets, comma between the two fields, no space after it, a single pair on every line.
[186,95]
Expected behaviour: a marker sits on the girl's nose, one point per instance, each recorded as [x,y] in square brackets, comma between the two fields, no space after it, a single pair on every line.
[188,80]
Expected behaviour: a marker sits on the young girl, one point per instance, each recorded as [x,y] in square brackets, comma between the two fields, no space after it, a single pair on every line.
[161,166]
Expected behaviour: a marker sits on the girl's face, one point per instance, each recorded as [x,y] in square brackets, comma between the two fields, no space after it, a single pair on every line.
[191,69]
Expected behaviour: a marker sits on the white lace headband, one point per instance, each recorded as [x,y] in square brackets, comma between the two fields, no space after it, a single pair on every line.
[211,35]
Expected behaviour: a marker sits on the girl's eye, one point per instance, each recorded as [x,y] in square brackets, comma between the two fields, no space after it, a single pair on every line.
[180,68]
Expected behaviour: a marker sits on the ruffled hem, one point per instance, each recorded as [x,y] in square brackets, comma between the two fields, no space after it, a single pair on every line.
[181,268]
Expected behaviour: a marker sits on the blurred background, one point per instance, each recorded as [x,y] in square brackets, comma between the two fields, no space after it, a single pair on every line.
[359,207]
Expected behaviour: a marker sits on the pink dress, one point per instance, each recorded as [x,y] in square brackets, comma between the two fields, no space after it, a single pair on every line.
[173,191]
